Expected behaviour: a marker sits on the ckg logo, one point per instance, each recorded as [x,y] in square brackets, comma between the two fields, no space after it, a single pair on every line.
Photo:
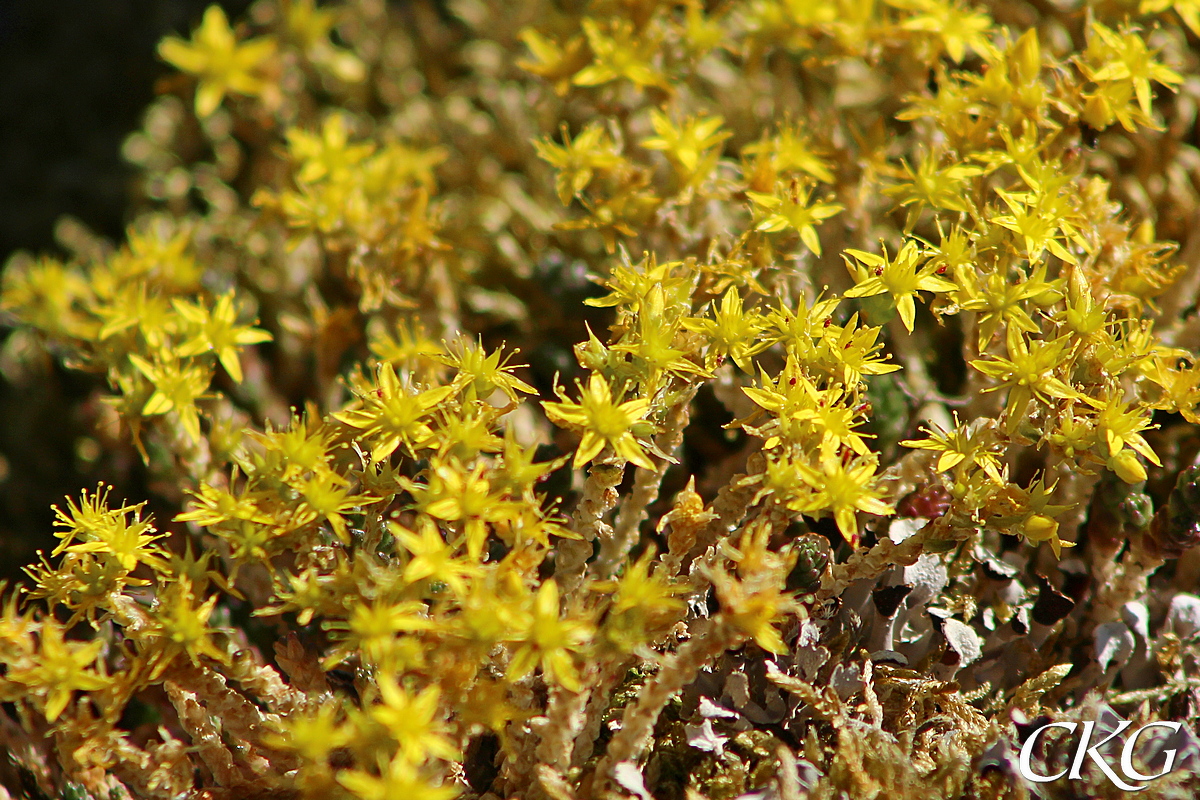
[1123,774]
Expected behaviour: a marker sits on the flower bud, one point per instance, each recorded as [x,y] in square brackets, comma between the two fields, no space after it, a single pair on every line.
[1127,467]
[812,556]
[1040,528]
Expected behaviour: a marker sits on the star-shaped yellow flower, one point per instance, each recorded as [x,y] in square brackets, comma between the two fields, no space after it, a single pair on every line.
[221,64]
[603,421]
[901,277]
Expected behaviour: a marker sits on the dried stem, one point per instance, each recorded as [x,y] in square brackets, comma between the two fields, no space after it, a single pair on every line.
[1129,580]
[646,484]
[521,750]
[237,714]
[205,735]
[729,505]
[266,683]
[883,556]
[603,684]
[599,497]
[677,671]
[563,721]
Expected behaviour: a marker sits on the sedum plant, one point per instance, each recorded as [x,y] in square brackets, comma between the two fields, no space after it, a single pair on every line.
[626,398]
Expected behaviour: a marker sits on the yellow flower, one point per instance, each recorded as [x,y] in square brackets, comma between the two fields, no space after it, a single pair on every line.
[176,388]
[311,26]
[413,721]
[457,495]
[733,331]
[1042,221]
[1038,523]
[216,331]
[328,154]
[216,58]
[1122,424]
[578,160]
[927,185]
[901,277]
[181,627]
[622,53]
[843,490]
[401,779]
[555,62]
[1040,528]
[790,208]
[643,605]
[372,629]
[325,496]
[480,373]
[959,28]
[1127,61]
[60,669]
[1028,372]
[123,540]
[550,641]
[604,422]
[792,151]
[999,300]
[392,415]
[433,557]
[970,444]
[852,351]
[688,142]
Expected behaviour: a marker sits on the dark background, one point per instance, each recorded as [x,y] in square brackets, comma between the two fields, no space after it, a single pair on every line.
[75,76]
